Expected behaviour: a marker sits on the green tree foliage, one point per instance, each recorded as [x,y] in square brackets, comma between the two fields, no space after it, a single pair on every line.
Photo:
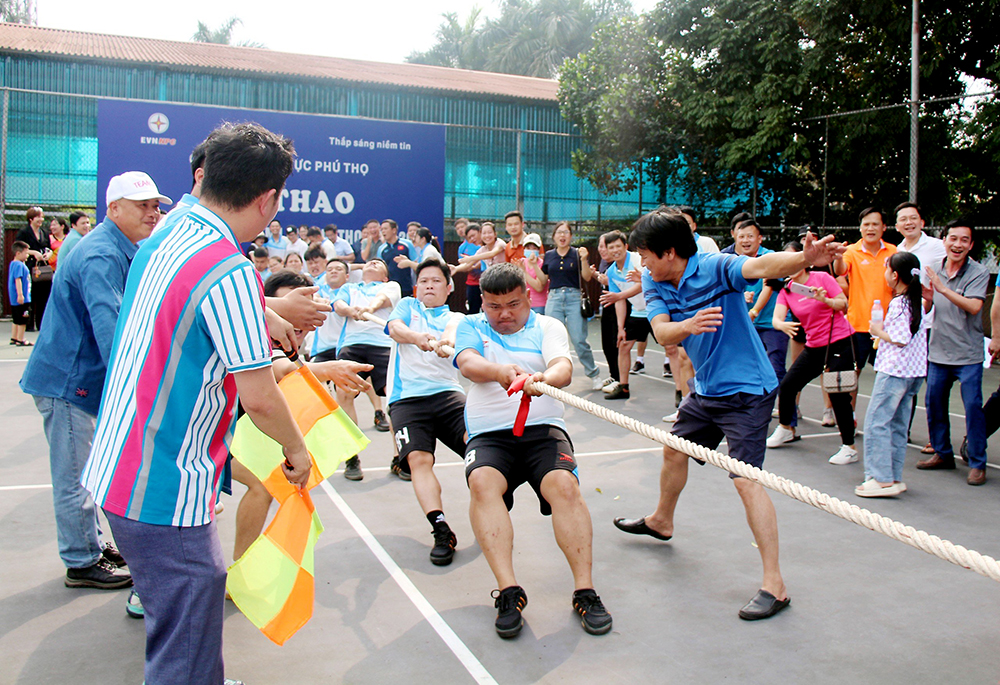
[717,98]
[529,37]
[223,34]
[19,11]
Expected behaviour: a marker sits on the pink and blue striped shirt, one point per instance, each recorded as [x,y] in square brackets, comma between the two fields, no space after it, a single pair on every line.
[192,315]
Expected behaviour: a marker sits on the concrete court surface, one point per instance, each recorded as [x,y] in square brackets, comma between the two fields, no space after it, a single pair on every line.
[865,609]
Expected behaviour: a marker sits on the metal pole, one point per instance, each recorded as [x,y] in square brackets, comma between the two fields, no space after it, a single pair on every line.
[519,202]
[826,158]
[640,187]
[3,184]
[914,97]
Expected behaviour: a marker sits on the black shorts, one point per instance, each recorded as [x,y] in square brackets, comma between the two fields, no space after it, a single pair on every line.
[526,459]
[637,329]
[19,314]
[743,419]
[329,355]
[419,422]
[369,354]
[864,349]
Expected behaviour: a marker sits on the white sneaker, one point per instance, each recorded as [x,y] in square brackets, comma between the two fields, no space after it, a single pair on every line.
[845,455]
[597,384]
[670,418]
[871,488]
[828,418]
[780,436]
[611,387]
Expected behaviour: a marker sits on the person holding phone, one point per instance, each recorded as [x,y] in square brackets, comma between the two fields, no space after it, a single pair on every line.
[818,302]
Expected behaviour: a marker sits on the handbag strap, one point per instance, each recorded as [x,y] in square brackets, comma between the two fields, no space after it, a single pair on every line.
[826,357]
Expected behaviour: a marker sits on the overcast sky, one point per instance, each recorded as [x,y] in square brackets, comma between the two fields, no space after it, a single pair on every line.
[384,31]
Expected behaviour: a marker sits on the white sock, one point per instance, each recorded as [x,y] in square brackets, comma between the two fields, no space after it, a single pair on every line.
[640,360]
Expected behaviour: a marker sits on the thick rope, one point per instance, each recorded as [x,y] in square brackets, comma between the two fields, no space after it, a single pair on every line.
[932,544]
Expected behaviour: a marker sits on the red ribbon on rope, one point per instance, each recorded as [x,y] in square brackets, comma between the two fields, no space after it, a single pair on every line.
[522,410]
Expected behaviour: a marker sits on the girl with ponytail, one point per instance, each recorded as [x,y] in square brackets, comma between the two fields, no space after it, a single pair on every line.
[900,369]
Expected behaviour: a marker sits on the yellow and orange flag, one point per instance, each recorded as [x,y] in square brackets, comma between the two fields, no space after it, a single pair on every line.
[273,582]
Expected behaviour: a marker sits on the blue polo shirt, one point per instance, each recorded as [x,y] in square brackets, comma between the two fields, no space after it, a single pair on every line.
[732,359]
[403,276]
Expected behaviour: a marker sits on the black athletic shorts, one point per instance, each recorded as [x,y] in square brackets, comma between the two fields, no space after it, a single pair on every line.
[19,314]
[864,349]
[637,329]
[369,354]
[743,419]
[329,355]
[419,422]
[522,460]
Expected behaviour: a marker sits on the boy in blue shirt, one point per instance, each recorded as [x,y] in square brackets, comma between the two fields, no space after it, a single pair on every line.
[19,294]
[697,298]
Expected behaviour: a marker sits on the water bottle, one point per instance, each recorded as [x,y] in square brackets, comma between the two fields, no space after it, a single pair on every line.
[877,317]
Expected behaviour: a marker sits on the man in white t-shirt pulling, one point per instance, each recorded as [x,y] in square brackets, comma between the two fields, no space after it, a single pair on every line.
[426,400]
[494,349]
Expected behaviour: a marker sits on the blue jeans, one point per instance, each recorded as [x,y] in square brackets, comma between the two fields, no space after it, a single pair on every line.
[180,575]
[885,426]
[940,379]
[70,433]
[564,304]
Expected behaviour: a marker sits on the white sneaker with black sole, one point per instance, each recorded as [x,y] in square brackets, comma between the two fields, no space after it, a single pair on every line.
[780,436]
[845,455]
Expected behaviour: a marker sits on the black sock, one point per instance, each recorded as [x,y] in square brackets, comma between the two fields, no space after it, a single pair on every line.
[625,387]
[436,518]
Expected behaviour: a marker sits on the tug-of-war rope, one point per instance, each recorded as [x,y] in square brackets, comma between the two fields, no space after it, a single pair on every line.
[932,544]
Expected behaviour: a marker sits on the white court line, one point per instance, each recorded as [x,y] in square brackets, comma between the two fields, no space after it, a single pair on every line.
[40,486]
[455,644]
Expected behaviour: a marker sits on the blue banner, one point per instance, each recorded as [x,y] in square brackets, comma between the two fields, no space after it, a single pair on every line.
[347,170]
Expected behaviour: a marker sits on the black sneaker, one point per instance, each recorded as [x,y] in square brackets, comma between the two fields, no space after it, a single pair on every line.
[510,602]
[666,370]
[593,616]
[397,469]
[381,423]
[619,393]
[352,469]
[111,553]
[101,576]
[638,367]
[444,545]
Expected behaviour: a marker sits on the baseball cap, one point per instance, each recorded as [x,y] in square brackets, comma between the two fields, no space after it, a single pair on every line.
[134,185]
[532,238]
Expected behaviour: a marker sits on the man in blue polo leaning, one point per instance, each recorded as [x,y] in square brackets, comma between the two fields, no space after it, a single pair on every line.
[697,298]
[66,374]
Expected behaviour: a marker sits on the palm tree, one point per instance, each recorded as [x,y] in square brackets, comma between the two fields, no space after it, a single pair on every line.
[19,11]
[456,46]
[223,34]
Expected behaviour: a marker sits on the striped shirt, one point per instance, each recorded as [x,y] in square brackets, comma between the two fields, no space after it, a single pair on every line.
[192,316]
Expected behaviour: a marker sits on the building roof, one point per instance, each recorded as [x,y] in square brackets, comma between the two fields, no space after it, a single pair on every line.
[77,45]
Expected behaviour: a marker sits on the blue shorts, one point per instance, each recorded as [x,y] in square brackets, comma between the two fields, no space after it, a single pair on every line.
[743,419]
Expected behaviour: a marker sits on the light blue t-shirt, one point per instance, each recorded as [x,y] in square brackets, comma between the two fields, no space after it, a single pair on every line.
[542,340]
[618,283]
[361,295]
[763,321]
[277,248]
[413,372]
[732,359]
[327,336]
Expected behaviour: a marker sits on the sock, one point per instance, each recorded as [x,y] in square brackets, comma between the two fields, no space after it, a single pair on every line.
[436,518]
[640,360]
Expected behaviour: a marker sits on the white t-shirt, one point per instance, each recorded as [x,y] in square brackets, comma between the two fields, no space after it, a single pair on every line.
[361,295]
[617,283]
[413,372]
[542,340]
[327,336]
[930,251]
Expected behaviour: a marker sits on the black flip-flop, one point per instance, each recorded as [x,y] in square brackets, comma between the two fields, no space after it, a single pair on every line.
[638,527]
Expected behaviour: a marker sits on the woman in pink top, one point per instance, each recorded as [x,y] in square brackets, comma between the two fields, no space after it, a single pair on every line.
[820,312]
[538,284]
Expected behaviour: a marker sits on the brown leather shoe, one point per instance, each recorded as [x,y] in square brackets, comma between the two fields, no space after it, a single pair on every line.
[936,463]
[976,477]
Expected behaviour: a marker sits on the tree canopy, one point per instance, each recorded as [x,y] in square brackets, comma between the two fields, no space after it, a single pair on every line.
[19,11]
[719,98]
[529,37]
[223,34]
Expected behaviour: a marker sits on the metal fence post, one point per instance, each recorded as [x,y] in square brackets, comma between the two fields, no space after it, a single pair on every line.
[914,97]
[3,159]
[519,203]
